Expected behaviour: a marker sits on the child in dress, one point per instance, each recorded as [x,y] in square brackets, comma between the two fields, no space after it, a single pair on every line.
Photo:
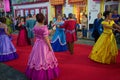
[105,49]
[22,39]
[7,49]
[42,63]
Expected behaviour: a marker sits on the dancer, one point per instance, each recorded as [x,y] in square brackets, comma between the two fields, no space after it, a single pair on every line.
[70,27]
[42,63]
[7,49]
[97,27]
[30,22]
[22,39]
[105,49]
[59,40]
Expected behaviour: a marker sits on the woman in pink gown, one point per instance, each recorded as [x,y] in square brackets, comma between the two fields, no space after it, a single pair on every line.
[22,39]
[42,63]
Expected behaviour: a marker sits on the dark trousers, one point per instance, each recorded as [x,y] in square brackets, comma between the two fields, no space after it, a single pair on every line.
[96,35]
[70,47]
[84,32]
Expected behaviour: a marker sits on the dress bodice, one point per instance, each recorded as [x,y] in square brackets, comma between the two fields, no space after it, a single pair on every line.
[2,31]
[110,24]
[22,26]
[58,24]
[40,32]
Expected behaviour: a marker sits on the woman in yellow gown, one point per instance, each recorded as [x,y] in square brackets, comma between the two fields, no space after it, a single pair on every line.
[105,49]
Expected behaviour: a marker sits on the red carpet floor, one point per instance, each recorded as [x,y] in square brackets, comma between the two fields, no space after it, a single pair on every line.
[72,67]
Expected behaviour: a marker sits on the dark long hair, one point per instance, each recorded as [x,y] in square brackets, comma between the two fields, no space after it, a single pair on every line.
[106,13]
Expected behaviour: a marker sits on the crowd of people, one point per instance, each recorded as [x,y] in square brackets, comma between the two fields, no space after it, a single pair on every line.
[42,63]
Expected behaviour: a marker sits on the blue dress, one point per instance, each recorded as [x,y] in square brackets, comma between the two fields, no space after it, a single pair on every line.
[7,49]
[58,41]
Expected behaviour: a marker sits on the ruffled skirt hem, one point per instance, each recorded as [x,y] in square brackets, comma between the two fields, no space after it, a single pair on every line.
[58,47]
[49,74]
[4,58]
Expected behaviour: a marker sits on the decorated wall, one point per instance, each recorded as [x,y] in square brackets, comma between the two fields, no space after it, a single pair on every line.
[27,1]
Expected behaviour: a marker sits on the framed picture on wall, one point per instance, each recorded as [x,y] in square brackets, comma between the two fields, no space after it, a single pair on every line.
[26,12]
[18,13]
[21,13]
[36,11]
[32,12]
[44,11]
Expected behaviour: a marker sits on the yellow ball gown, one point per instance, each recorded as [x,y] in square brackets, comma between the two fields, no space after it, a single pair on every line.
[105,49]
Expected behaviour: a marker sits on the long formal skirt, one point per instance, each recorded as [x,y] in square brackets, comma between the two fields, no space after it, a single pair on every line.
[7,49]
[105,49]
[42,63]
[58,41]
[22,39]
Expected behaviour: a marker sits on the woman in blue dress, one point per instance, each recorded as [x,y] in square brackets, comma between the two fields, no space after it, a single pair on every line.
[7,49]
[58,41]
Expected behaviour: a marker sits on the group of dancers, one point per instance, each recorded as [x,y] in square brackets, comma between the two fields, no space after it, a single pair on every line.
[42,63]
[65,34]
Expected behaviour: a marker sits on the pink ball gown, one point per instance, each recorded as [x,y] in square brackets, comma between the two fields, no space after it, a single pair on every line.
[42,63]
